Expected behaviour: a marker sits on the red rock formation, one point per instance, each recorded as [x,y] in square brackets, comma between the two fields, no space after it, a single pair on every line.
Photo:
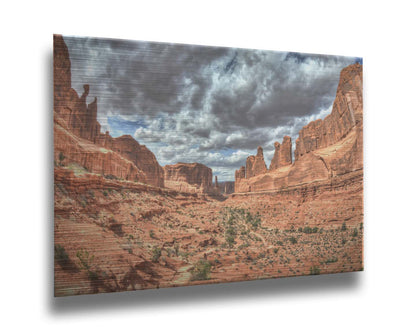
[346,113]
[255,165]
[324,149]
[240,175]
[62,70]
[82,155]
[282,154]
[142,157]
[74,115]
[183,174]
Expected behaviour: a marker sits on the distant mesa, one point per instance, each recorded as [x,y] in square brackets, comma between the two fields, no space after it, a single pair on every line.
[78,138]
[325,148]
[189,177]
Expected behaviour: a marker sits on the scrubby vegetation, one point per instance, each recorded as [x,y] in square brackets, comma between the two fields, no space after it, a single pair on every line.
[201,270]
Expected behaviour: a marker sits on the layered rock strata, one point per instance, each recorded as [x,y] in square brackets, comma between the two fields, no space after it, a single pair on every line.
[78,138]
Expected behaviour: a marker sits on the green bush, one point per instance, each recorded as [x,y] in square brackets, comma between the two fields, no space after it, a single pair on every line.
[344,227]
[315,270]
[60,254]
[156,253]
[293,240]
[85,260]
[61,157]
[201,270]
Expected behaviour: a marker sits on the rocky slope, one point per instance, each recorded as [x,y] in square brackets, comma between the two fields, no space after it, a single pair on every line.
[78,138]
[324,149]
[189,177]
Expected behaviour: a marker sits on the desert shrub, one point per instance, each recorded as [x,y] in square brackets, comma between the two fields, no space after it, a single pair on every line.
[344,227]
[201,270]
[176,247]
[86,263]
[293,240]
[309,230]
[254,221]
[105,193]
[117,228]
[355,233]
[62,258]
[315,270]
[331,260]
[152,234]
[156,253]
[61,157]
[230,234]
[300,229]
[60,254]
[85,259]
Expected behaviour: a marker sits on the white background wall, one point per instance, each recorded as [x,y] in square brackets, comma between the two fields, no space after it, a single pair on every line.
[379,299]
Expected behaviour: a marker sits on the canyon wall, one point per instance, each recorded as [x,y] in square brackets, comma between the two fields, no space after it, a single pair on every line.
[324,149]
[78,138]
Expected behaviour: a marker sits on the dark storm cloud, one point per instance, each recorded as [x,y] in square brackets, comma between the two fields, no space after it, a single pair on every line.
[191,102]
[141,77]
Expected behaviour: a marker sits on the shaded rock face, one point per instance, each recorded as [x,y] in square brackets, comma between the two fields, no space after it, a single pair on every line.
[196,174]
[226,187]
[240,176]
[324,149]
[77,121]
[282,153]
[75,152]
[142,157]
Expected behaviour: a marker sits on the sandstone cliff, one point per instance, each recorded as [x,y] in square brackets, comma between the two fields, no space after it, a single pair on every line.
[347,112]
[255,165]
[189,177]
[78,138]
[282,153]
[324,149]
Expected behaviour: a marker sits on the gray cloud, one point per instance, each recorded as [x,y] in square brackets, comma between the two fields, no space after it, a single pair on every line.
[193,103]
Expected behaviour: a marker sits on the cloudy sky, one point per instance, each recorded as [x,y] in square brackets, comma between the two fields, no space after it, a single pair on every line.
[202,104]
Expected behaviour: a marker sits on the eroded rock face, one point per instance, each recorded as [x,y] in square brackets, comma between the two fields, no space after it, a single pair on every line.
[142,157]
[240,176]
[255,165]
[196,174]
[346,113]
[282,154]
[82,155]
[324,149]
[73,114]
[61,70]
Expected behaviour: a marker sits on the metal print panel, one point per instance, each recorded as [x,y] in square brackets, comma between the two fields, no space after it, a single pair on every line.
[179,165]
